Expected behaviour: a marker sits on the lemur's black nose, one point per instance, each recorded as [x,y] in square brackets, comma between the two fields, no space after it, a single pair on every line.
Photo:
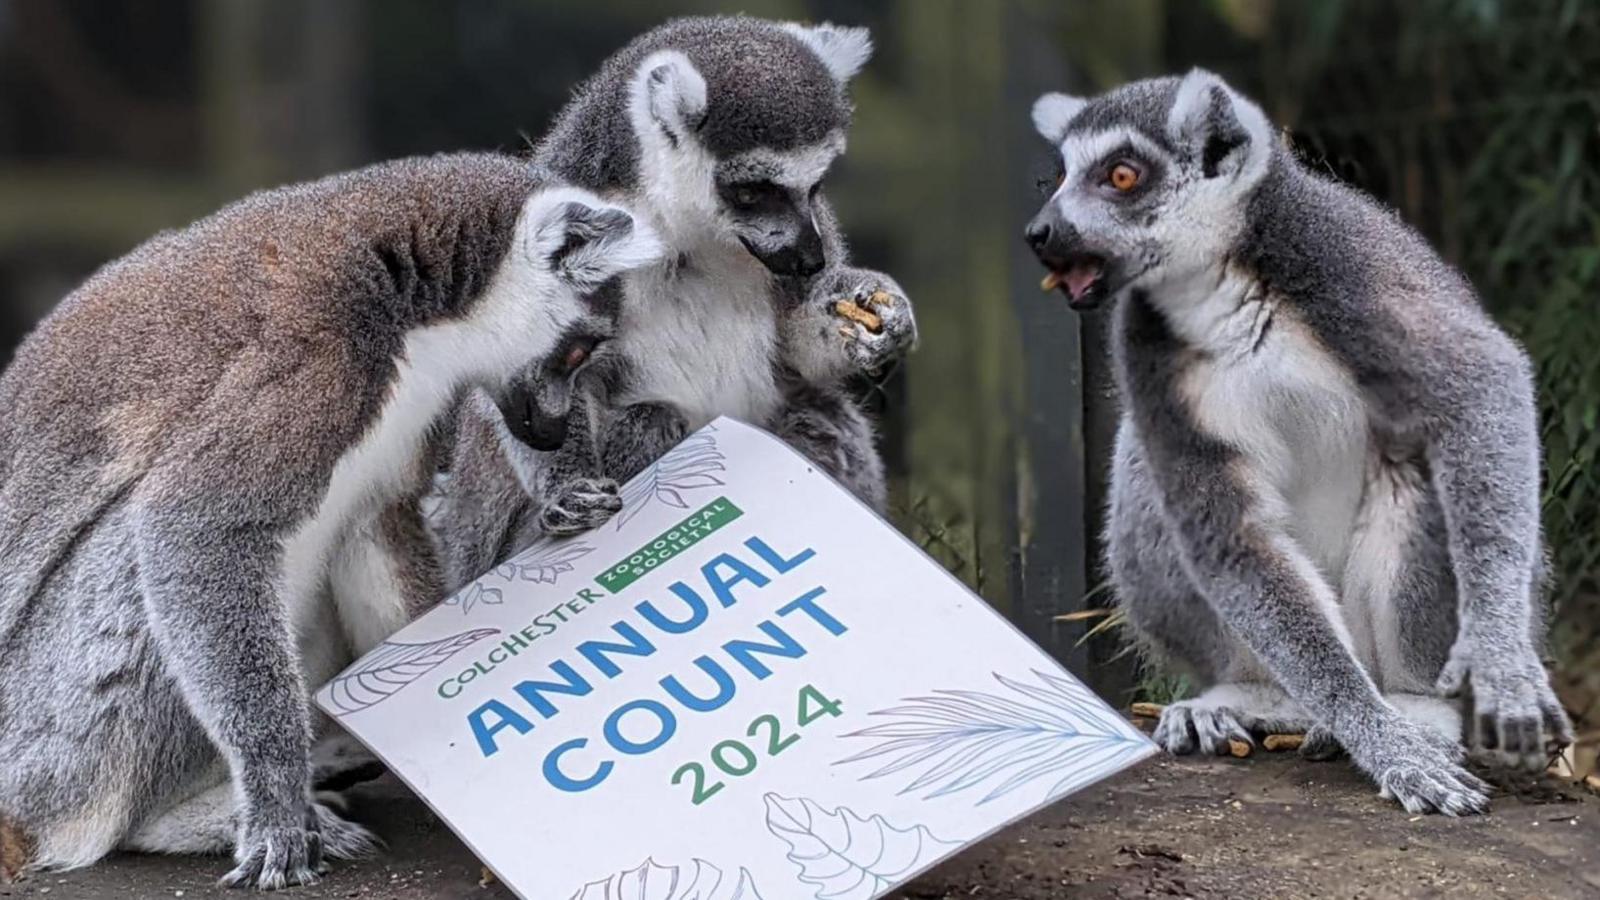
[1038,234]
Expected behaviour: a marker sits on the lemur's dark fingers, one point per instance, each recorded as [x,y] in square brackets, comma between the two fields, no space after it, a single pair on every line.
[868,320]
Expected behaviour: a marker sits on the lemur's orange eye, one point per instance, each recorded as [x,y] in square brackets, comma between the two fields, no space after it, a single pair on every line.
[1123,177]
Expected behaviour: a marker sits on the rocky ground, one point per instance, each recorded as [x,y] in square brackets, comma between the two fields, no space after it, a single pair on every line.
[1269,826]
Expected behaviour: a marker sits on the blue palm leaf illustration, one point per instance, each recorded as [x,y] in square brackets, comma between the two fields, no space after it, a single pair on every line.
[692,465]
[954,741]
[385,671]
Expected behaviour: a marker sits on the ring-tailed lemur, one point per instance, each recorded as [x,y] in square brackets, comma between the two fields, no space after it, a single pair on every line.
[210,465]
[1325,490]
[719,132]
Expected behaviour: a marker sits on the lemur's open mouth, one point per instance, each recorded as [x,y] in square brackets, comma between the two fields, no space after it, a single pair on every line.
[1081,277]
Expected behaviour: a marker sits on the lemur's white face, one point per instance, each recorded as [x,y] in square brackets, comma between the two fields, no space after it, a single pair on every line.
[761,199]
[560,284]
[1131,207]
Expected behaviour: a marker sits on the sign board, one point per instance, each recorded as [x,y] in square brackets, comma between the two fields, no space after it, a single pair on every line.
[746,685]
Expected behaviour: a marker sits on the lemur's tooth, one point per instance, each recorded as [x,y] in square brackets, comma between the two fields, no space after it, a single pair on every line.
[1050,282]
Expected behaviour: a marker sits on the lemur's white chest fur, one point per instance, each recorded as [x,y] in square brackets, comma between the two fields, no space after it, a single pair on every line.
[701,334]
[336,548]
[1264,384]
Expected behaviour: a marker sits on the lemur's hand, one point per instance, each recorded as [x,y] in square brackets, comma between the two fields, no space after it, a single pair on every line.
[578,504]
[1515,712]
[1416,766]
[876,323]
[271,858]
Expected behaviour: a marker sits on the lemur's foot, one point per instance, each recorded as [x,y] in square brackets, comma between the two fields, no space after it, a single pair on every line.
[579,505]
[1188,726]
[271,859]
[1420,769]
[274,858]
[877,325]
[1517,719]
[1320,745]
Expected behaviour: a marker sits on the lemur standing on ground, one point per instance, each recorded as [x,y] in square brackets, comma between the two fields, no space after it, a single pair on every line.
[719,132]
[210,467]
[1325,491]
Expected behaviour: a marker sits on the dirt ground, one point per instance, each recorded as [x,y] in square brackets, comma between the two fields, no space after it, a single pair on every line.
[1266,827]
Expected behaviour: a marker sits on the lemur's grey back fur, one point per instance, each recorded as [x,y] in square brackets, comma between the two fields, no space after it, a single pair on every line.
[1324,496]
[766,89]
[169,452]
[765,346]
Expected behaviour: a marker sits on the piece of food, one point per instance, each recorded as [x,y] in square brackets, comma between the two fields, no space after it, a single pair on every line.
[1241,749]
[865,318]
[880,298]
[1147,710]
[1282,742]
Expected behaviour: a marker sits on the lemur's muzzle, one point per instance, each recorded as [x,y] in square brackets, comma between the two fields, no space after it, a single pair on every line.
[543,430]
[802,259]
[1079,273]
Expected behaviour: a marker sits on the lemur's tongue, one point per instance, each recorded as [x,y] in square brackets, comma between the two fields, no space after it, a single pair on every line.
[1081,276]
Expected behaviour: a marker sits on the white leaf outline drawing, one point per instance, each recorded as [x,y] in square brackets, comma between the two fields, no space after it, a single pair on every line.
[474,594]
[391,667]
[653,881]
[846,856]
[544,562]
[692,465]
[959,740]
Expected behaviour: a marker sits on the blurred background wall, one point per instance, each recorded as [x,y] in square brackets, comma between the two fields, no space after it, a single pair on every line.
[1479,119]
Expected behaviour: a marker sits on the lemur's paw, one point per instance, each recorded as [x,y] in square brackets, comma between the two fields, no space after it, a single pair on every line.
[343,839]
[663,423]
[1423,789]
[1320,745]
[877,325]
[579,505]
[1188,726]
[271,859]
[1516,718]
[1421,769]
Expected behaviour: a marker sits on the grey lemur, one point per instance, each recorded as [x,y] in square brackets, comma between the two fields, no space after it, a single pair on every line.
[1325,492]
[210,464]
[719,131]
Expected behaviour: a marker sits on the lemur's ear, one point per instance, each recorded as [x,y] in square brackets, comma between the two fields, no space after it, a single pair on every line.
[586,243]
[669,96]
[1226,133]
[1052,113]
[843,50]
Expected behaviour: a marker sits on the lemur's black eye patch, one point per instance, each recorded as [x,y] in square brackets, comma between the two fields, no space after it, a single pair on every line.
[752,196]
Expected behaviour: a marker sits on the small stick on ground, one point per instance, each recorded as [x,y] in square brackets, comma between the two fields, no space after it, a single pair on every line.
[1147,710]
[1277,742]
[866,319]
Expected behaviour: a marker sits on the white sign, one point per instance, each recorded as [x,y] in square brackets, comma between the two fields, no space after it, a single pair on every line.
[746,685]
